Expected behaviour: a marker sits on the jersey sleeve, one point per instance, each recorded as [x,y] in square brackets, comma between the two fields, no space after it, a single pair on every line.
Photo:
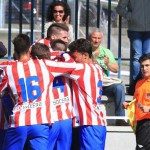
[66,66]
[3,82]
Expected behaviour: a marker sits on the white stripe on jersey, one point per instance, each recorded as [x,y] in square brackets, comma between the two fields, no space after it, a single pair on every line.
[85,94]
[12,83]
[28,114]
[62,100]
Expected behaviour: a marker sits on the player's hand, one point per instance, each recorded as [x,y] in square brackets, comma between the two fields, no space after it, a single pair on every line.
[58,56]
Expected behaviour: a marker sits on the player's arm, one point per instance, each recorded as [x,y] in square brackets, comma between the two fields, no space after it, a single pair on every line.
[62,67]
[3,82]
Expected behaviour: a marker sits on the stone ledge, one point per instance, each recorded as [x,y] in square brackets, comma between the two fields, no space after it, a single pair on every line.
[105,98]
[119,129]
[109,109]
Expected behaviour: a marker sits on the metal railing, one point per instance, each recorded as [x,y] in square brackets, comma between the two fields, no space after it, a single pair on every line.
[88,7]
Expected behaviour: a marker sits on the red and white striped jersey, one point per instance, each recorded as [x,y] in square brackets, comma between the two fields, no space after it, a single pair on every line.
[62,103]
[87,92]
[29,85]
[47,43]
[44,41]
[3,117]
[61,98]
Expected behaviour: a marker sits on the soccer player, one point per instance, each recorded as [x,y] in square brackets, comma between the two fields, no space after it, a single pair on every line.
[87,92]
[3,123]
[3,119]
[28,81]
[60,133]
[61,90]
[55,31]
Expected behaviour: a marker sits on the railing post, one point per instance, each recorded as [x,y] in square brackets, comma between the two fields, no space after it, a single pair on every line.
[32,22]
[119,46]
[9,30]
[43,16]
[76,18]
[109,23]
[98,13]
[20,16]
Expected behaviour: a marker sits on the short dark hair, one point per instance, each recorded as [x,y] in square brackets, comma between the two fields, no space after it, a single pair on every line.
[144,57]
[21,44]
[55,29]
[50,10]
[40,51]
[3,50]
[58,44]
[81,46]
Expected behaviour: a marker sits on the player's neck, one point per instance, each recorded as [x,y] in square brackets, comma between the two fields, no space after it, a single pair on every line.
[24,57]
[90,61]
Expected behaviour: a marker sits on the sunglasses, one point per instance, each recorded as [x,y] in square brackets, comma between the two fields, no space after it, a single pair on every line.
[56,11]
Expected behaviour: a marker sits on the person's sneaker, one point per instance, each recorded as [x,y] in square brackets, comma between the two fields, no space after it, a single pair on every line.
[121,123]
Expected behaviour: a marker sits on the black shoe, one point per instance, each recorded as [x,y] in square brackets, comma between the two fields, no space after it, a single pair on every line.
[121,123]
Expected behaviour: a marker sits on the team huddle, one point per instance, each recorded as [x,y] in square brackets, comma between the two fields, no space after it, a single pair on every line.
[49,88]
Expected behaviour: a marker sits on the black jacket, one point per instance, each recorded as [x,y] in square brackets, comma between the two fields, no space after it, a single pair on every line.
[137,14]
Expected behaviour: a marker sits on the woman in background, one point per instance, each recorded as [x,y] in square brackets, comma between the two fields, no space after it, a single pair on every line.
[59,11]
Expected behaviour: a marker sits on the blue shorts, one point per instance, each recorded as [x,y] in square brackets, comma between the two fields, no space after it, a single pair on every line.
[36,135]
[92,137]
[2,137]
[60,135]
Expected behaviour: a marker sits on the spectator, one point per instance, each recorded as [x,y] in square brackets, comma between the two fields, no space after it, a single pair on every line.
[3,50]
[142,105]
[105,58]
[59,11]
[87,92]
[137,14]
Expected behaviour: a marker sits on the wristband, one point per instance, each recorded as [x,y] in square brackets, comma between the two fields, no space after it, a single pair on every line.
[62,54]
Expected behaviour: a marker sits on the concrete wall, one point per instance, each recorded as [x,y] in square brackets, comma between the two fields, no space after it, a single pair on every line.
[120,138]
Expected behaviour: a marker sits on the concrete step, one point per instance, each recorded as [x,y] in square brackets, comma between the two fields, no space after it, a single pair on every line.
[119,129]
[109,109]
[109,99]
[120,138]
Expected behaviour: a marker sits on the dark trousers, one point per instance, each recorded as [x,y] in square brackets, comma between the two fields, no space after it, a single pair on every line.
[75,139]
[143,135]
